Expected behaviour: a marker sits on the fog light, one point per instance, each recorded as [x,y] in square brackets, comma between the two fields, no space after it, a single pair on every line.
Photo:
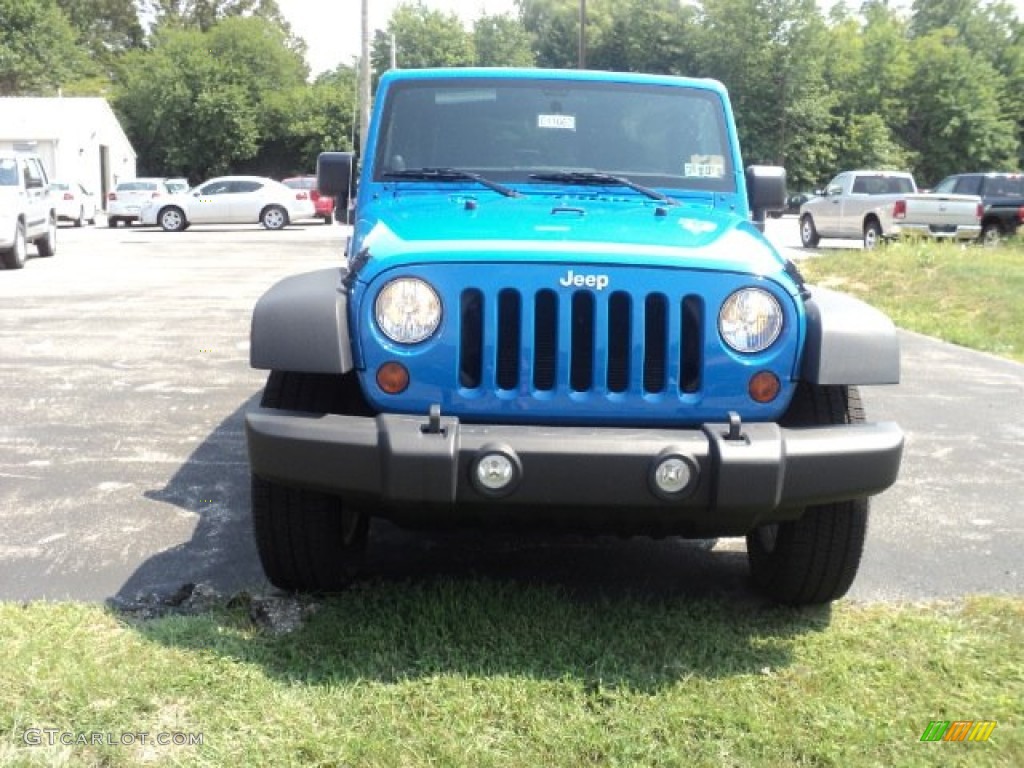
[392,378]
[764,387]
[496,472]
[673,476]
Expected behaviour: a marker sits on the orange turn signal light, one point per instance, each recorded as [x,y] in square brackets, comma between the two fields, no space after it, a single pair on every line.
[764,387]
[392,378]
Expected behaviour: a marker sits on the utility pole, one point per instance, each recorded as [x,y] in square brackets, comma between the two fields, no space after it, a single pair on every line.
[583,34]
[364,81]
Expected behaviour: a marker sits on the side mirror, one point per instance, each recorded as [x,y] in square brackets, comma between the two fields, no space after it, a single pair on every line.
[766,191]
[334,176]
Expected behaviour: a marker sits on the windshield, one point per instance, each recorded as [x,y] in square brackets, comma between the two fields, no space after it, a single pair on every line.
[524,130]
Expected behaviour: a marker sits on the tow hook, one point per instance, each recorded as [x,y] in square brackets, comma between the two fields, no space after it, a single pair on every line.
[433,425]
[735,433]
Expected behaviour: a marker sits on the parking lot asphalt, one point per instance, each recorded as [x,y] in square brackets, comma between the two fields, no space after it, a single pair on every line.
[124,363]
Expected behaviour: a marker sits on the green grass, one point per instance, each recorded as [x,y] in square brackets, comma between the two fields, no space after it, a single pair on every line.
[477,673]
[970,296]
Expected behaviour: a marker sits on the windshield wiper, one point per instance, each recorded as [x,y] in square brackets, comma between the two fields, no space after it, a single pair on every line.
[599,177]
[451,174]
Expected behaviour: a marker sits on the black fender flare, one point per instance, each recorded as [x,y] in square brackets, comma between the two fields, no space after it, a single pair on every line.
[848,341]
[301,324]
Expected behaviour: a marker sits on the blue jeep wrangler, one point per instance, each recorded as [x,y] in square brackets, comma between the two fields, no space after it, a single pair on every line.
[559,309]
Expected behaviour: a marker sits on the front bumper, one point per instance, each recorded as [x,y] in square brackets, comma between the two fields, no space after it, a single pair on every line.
[421,471]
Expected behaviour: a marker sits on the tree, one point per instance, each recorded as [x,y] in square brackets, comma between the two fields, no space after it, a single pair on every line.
[106,27]
[204,14]
[502,41]
[773,66]
[554,25]
[38,49]
[423,38]
[197,104]
[304,121]
[955,121]
[868,70]
[644,36]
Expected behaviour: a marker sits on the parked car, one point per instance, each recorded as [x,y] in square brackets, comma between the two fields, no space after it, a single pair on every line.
[27,211]
[324,204]
[74,202]
[875,206]
[128,197]
[231,200]
[1002,194]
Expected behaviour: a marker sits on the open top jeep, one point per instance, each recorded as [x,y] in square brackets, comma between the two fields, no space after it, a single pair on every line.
[559,310]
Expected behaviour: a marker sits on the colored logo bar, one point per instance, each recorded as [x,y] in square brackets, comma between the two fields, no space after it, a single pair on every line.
[958,730]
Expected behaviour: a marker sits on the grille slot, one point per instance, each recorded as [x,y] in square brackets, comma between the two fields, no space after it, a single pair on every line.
[581,365]
[692,346]
[545,340]
[471,339]
[617,342]
[620,334]
[655,342]
[509,328]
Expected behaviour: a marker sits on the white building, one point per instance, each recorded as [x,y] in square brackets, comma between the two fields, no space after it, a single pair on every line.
[79,139]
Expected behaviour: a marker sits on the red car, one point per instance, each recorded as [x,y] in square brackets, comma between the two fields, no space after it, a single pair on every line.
[324,204]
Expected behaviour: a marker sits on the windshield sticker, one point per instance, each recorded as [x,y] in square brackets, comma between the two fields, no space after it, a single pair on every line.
[558,122]
[705,166]
[467,96]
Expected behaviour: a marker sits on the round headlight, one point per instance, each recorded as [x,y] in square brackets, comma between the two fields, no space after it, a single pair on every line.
[408,310]
[750,320]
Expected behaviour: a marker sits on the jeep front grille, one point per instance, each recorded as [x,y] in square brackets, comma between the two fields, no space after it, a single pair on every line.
[583,341]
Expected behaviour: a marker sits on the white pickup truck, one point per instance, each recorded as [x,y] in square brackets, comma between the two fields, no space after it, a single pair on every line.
[879,205]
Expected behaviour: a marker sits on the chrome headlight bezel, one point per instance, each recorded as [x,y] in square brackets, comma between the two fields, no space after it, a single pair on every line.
[750,320]
[408,310]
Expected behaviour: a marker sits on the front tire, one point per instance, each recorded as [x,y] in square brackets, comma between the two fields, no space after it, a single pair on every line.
[814,559]
[274,217]
[808,232]
[307,540]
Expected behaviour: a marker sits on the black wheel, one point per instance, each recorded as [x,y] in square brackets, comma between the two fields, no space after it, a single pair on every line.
[112,221]
[991,234]
[172,219]
[808,233]
[813,559]
[15,256]
[872,234]
[308,541]
[81,218]
[47,244]
[274,217]
[328,218]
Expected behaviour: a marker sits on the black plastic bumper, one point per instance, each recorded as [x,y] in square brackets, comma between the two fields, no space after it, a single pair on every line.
[418,471]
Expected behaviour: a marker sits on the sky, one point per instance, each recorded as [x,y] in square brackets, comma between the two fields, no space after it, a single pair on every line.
[331,28]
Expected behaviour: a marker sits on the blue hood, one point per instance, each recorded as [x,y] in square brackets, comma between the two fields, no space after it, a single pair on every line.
[411,228]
